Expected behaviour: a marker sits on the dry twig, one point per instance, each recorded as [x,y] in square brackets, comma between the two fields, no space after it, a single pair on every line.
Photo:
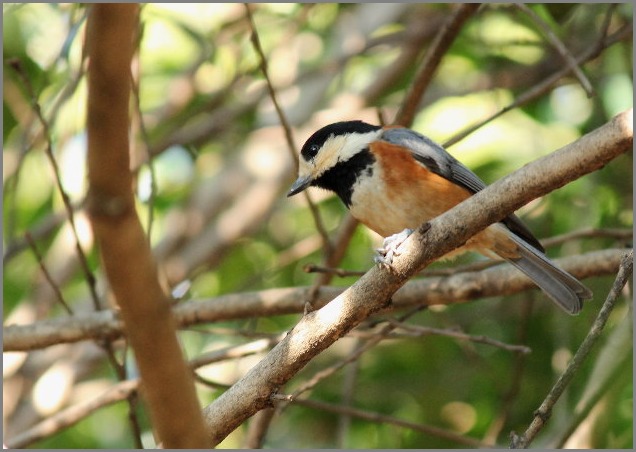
[73,415]
[438,48]
[47,275]
[88,274]
[384,419]
[546,84]
[559,46]
[544,411]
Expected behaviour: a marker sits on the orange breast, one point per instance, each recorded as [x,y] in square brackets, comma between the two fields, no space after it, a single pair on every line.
[402,193]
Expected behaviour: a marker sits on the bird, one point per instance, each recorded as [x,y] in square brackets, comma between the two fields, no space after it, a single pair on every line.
[394,179]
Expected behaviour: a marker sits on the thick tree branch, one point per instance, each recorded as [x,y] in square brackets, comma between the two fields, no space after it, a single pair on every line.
[126,256]
[373,291]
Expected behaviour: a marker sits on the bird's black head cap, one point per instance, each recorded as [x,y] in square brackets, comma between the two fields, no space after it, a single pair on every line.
[318,139]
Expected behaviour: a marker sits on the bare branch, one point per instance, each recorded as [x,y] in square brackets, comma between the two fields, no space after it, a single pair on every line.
[256,42]
[72,415]
[440,45]
[384,419]
[417,330]
[559,46]
[90,278]
[455,288]
[543,413]
[545,85]
[126,256]
[47,275]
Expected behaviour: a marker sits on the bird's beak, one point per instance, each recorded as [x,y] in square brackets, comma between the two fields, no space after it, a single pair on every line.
[301,183]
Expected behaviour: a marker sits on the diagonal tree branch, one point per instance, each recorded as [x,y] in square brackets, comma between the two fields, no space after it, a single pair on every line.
[542,414]
[436,51]
[373,291]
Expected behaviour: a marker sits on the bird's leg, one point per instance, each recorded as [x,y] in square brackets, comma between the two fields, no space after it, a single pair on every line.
[389,248]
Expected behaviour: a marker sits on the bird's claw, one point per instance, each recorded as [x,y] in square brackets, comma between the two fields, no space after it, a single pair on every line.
[390,247]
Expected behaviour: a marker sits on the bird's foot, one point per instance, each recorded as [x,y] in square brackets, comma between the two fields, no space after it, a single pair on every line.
[390,247]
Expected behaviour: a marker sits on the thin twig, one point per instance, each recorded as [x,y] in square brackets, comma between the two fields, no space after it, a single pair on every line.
[613,380]
[35,105]
[438,48]
[332,257]
[256,42]
[47,275]
[152,196]
[559,46]
[355,355]
[236,351]
[384,419]
[341,272]
[418,330]
[72,415]
[518,366]
[42,230]
[544,86]
[544,411]
[613,233]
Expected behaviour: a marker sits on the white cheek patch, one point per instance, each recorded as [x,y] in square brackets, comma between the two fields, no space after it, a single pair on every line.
[305,168]
[329,155]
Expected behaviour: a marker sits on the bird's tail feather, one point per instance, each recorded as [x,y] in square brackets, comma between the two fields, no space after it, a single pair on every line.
[564,289]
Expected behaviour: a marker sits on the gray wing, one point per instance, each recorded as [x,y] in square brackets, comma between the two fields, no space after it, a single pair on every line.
[437,160]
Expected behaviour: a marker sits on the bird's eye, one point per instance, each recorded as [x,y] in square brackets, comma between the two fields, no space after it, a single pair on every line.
[313,150]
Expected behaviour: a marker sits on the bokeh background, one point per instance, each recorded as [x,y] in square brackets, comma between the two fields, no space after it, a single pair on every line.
[212,168]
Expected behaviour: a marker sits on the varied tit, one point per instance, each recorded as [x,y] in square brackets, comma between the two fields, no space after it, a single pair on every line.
[394,179]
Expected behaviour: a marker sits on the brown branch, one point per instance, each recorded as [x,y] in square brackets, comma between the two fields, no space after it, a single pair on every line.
[258,428]
[127,260]
[440,45]
[508,398]
[417,330]
[501,280]
[47,275]
[544,411]
[618,234]
[354,356]
[46,130]
[545,85]
[384,419]
[256,42]
[319,329]
[72,415]
[559,47]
